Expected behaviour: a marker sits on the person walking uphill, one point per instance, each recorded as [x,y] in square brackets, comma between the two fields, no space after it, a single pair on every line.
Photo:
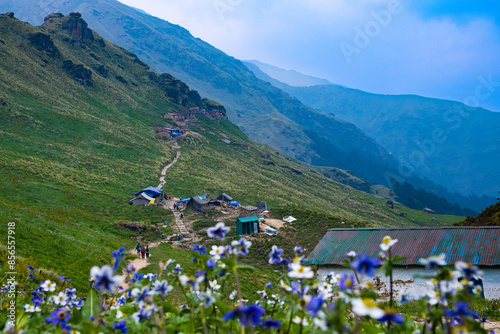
[182,214]
[138,248]
[147,251]
[143,252]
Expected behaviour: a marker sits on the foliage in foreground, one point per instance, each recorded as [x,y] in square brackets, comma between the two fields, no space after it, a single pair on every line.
[209,300]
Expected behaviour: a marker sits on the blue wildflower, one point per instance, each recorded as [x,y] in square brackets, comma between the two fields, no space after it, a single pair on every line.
[248,316]
[218,231]
[314,305]
[461,310]
[393,317]
[31,276]
[365,265]
[269,284]
[270,323]
[121,326]
[275,255]
[199,249]
[117,257]
[103,278]
[31,268]
[346,281]
[59,316]
[241,246]
[210,263]
[298,250]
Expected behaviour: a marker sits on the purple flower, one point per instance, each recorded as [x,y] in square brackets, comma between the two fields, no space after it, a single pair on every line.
[59,316]
[199,249]
[210,263]
[346,281]
[31,268]
[218,231]
[275,255]
[200,273]
[31,276]
[269,284]
[121,326]
[392,317]
[270,323]
[249,316]
[461,310]
[365,265]
[298,250]
[241,246]
[118,256]
[314,305]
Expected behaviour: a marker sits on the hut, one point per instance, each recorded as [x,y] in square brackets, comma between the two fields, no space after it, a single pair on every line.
[151,192]
[224,197]
[475,245]
[247,225]
[197,204]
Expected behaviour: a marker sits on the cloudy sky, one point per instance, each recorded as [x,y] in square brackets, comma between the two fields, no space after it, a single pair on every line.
[443,48]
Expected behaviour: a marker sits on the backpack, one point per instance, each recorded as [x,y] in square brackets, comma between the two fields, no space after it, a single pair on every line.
[143,250]
[139,248]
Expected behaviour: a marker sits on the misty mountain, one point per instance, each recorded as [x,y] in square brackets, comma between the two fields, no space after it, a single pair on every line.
[264,112]
[446,142]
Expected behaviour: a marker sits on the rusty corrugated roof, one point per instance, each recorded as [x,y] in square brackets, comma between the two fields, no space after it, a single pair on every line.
[477,245]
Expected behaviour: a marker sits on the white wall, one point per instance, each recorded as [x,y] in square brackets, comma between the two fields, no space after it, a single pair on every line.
[405,281]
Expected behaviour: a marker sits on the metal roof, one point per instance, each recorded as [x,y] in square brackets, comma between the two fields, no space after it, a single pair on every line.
[248,219]
[477,245]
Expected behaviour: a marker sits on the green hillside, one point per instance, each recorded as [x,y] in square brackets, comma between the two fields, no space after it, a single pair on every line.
[76,143]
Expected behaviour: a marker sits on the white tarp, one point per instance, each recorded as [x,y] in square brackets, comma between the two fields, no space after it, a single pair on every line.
[289,219]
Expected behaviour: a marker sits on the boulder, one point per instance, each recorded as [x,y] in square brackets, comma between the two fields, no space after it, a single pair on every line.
[78,29]
[43,42]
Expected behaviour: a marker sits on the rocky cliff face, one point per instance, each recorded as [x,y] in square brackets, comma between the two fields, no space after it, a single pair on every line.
[74,26]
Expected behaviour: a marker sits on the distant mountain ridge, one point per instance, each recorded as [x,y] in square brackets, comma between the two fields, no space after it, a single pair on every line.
[289,77]
[446,142]
[265,113]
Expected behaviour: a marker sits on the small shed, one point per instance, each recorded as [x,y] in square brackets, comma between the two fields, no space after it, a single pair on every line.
[270,231]
[477,245]
[142,199]
[427,210]
[247,225]
[196,204]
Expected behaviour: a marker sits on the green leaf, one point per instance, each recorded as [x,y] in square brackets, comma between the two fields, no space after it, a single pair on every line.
[243,267]
[168,308]
[91,306]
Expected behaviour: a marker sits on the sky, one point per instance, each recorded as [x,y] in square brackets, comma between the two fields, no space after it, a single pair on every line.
[447,49]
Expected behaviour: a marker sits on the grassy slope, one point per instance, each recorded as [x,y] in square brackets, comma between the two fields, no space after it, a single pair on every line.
[72,156]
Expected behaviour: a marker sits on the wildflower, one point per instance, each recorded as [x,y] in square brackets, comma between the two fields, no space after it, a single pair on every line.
[150,277]
[60,299]
[130,269]
[191,280]
[387,243]
[31,308]
[168,264]
[461,310]
[37,300]
[365,265]
[121,326]
[366,306]
[299,320]
[275,255]
[144,313]
[241,246]
[285,286]
[48,286]
[31,268]
[321,323]
[403,298]
[351,255]
[248,316]
[70,293]
[210,263]
[118,257]
[219,231]
[31,276]
[103,278]
[59,316]
[269,284]
[346,281]
[314,305]
[262,294]
[435,297]
[177,270]
[477,289]
[142,294]
[392,316]
[64,278]
[469,271]
[213,284]
[207,298]
[434,262]
[270,323]
[325,289]
[199,249]
[162,288]
[300,271]
[232,295]
[332,278]
[217,251]
[298,250]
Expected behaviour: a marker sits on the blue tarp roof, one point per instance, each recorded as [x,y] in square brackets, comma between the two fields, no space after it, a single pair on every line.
[184,200]
[234,203]
[150,191]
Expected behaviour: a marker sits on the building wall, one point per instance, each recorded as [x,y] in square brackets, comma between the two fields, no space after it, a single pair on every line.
[405,281]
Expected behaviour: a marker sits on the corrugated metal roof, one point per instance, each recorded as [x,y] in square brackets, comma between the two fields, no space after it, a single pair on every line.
[477,245]
[248,219]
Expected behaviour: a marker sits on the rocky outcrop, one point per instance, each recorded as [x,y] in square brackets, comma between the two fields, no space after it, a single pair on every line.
[78,29]
[43,42]
[51,17]
[79,72]
[9,14]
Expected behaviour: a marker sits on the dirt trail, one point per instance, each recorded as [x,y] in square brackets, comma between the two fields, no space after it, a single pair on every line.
[164,170]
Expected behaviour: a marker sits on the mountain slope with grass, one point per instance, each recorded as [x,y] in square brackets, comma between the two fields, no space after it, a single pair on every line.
[76,144]
[265,113]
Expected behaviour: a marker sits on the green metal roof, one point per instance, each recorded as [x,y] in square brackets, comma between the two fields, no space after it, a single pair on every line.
[248,219]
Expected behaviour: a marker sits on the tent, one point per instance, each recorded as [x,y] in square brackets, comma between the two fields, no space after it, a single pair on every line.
[224,197]
[184,200]
[196,204]
[247,225]
[151,192]
[142,199]
[289,219]
[234,203]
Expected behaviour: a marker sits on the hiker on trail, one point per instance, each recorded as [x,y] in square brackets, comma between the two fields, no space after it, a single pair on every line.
[143,252]
[182,214]
[175,205]
[138,248]
[147,252]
